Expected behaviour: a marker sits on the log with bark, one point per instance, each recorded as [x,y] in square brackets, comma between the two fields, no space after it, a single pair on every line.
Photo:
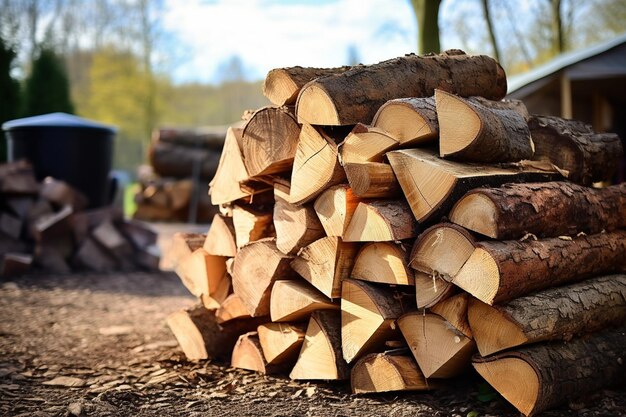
[379,221]
[295,300]
[231,308]
[386,372]
[335,207]
[169,160]
[282,85]
[383,262]
[325,263]
[543,376]
[500,271]
[553,314]
[18,178]
[248,354]
[432,185]
[575,148]
[269,141]
[210,138]
[471,131]
[320,357]
[281,342]
[61,194]
[543,209]
[355,95]
[366,144]
[372,180]
[368,314]
[411,121]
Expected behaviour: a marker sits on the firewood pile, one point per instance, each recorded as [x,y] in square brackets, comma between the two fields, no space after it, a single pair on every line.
[398,242]
[47,227]
[173,186]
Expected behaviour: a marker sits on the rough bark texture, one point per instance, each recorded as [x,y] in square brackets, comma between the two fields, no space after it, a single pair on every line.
[568,371]
[210,138]
[499,134]
[551,209]
[282,85]
[358,93]
[533,265]
[414,133]
[170,160]
[574,147]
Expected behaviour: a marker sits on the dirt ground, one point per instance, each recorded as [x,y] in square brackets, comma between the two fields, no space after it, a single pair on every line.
[97,345]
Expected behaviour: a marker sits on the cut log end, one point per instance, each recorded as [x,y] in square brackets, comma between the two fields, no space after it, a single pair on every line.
[459,124]
[281,342]
[402,122]
[480,276]
[335,207]
[247,354]
[316,107]
[293,300]
[383,262]
[279,87]
[496,332]
[380,372]
[478,213]
[381,221]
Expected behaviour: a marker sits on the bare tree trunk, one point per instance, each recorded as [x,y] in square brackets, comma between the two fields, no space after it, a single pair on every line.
[492,33]
[427,17]
[558,41]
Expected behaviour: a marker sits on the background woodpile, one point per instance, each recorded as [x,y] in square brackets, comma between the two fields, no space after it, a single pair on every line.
[47,226]
[173,185]
[398,242]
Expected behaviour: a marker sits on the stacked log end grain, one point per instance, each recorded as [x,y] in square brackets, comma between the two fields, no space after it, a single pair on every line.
[47,227]
[401,224]
[174,186]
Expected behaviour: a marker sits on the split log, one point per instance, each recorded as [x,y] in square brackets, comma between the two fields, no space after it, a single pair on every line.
[220,239]
[140,234]
[544,376]
[251,225]
[366,144]
[248,354]
[232,308]
[218,294]
[471,131]
[325,263]
[438,255]
[107,235]
[500,271]
[11,225]
[368,315]
[383,262]
[574,147]
[386,372]
[85,222]
[202,273]
[224,187]
[281,342]
[269,141]
[320,357]
[18,178]
[293,300]
[203,137]
[257,266]
[90,255]
[432,185]
[15,264]
[335,207]
[316,165]
[454,311]
[411,121]
[19,205]
[148,258]
[372,180]
[183,245]
[170,160]
[552,314]
[282,85]
[200,337]
[296,226]
[441,351]
[355,95]
[62,194]
[545,210]
[380,221]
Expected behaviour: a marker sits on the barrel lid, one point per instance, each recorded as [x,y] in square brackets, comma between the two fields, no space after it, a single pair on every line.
[56,120]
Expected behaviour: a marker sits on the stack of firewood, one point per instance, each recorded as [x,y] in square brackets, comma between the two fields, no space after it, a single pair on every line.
[173,186]
[47,226]
[398,241]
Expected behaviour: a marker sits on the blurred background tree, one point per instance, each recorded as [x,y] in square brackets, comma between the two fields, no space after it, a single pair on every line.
[10,88]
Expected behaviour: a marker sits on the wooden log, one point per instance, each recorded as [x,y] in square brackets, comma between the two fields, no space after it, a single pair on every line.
[294,300]
[11,225]
[296,226]
[383,262]
[470,131]
[325,263]
[202,273]
[231,171]
[109,237]
[335,207]
[316,166]
[251,225]
[281,342]
[441,351]
[372,180]
[19,205]
[92,256]
[432,185]
[320,357]
[553,314]
[170,160]
[179,193]
[218,294]
[203,137]
[18,178]
[183,245]
[248,354]
[269,141]
[366,144]
[545,210]
[140,234]
[282,85]
[220,239]
[380,221]
[15,264]
[500,271]
[51,260]
[574,147]
[355,95]
[368,314]
[232,308]
[257,266]
[60,193]
[411,121]
[543,376]
[387,372]
[148,258]
[454,311]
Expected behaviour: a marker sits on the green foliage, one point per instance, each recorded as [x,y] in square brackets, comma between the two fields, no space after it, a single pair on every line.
[47,88]
[10,88]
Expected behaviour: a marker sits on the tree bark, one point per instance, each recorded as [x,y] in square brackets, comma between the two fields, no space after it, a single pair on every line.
[491,29]
[427,16]
[170,160]
[282,85]
[195,138]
